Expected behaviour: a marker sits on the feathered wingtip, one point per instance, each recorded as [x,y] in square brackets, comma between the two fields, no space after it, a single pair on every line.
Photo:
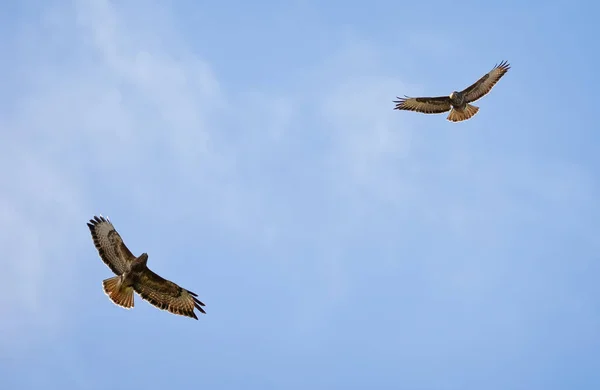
[197,303]
[504,65]
[400,101]
[96,220]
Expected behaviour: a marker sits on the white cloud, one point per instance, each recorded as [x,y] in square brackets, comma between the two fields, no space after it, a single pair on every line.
[131,121]
[37,205]
[137,122]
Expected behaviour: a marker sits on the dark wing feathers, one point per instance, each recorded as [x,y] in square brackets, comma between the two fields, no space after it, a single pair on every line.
[485,84]
[110,245]
[426,105]
[167,295]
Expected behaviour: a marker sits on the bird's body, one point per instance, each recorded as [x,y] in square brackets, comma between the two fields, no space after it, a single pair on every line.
[458,103]
[133,274]
[457,100]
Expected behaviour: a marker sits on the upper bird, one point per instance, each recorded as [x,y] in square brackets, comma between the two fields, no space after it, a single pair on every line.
[457,102]
[133,275]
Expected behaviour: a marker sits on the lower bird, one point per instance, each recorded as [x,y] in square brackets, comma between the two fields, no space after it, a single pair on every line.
[134,275]
[458,102]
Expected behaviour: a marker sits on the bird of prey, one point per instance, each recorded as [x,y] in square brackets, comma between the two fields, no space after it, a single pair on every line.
[458,102]
[134,275]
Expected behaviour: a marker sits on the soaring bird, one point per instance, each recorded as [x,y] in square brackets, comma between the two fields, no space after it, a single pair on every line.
[458,102]
[134,275]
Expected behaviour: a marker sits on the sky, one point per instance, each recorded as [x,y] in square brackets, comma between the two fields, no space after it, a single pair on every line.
[252,150]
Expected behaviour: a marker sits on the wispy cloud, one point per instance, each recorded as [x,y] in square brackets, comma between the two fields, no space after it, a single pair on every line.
[131,122]
[37,204]
[318,224]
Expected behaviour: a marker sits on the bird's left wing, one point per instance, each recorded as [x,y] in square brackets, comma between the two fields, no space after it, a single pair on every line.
[426,105]
[167,295]
[110,245]
[485,84]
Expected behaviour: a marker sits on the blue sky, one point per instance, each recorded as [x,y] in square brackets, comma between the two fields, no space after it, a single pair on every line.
[251,149]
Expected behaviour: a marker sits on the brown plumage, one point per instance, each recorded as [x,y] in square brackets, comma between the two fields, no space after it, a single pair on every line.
[458,102]
[134,275]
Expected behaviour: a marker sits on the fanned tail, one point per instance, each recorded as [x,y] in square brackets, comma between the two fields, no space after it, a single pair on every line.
[458,116]
[120,295]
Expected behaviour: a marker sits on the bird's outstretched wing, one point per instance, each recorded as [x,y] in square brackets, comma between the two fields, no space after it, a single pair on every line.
[485,84]
[426,105]
[166,295]
[110,245]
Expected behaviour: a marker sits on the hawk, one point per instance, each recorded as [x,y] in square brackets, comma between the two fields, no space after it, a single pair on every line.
[134,275]
[458,102]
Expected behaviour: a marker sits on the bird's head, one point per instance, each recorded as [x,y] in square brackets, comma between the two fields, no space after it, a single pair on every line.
[453,94]
[139,264]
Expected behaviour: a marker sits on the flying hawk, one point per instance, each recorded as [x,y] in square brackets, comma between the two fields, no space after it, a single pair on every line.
[133,275]
[458,102]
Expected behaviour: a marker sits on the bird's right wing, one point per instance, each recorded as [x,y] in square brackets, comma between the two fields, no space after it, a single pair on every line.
[425,105]
[485,84]
[167,295]
[110,245]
